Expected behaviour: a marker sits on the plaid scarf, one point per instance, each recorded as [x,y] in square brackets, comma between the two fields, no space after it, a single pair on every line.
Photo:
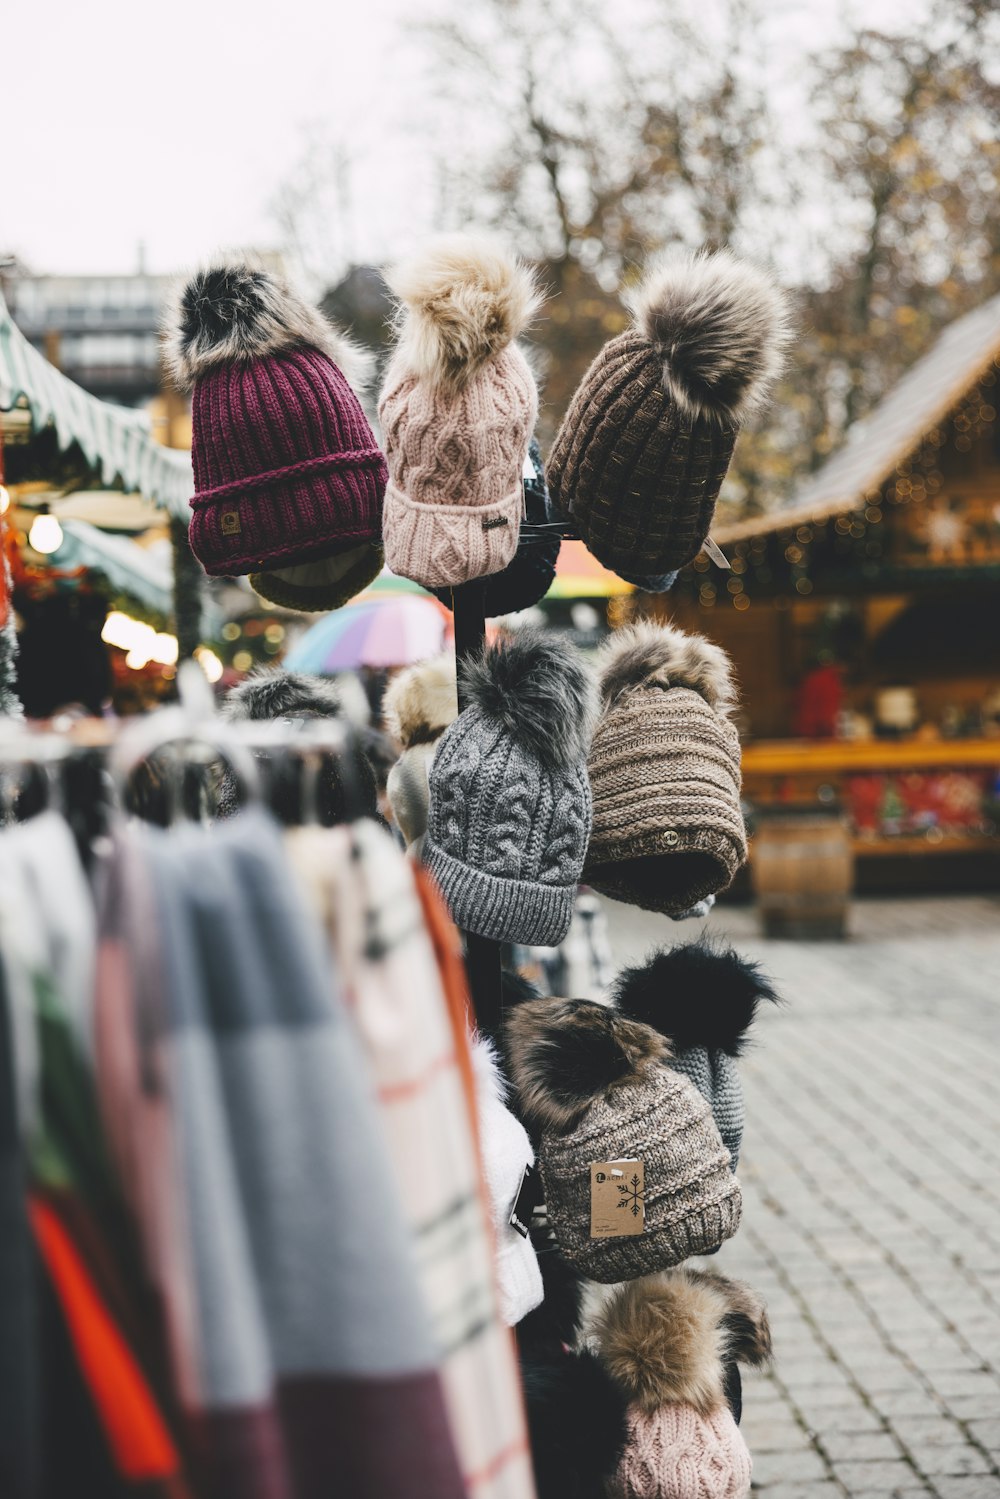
[238,1105]
[365,891]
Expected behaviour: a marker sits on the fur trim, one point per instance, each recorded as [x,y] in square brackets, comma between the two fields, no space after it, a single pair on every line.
[746,1325]
[576,1422]
[462,301]
[697,995]
[646,653]
[271,692]
[490,1081]
[540,690]
[233,312]
[721,327]
[563,1054]
[421,702]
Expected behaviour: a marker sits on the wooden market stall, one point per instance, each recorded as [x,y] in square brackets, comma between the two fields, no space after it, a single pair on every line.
[864,621]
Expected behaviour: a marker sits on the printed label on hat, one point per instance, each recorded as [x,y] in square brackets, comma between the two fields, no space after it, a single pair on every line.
[617,1199]
[230,522]
[529,1197]
[498,520]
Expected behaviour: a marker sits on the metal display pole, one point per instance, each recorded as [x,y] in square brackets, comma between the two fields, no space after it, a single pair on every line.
[482,955]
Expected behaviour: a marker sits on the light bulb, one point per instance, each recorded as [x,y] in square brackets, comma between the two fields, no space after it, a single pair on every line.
[4,500]
[46,534]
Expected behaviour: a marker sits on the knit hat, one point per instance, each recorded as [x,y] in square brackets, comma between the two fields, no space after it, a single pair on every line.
[645,445]
[287,471]
[596,1089]
[703,1000]
[458,409]
[418,706]
[668,1342]
[270,693]
[665,771]
[506,1152]
[529,576]
[510,801]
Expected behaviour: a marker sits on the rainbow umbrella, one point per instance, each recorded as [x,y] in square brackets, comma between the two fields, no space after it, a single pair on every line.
[373,632]
[580,576]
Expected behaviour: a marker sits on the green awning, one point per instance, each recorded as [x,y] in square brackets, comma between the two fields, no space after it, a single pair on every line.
[113,439]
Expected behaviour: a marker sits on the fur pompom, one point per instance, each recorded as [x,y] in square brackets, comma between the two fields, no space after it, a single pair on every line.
[540,690]
[649,653]
[270,692]
[696,995]
[662,1339]
[462,301]
[234,312]
[576,1422]
[562,1054]
[721,327]
[421,702]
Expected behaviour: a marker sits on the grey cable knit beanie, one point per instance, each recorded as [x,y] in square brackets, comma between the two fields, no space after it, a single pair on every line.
[510,800]
[703,1000]
[595,1089]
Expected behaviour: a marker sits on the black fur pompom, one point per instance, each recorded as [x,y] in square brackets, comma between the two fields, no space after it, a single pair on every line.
[271,692]
[540,690]
[696,995]
[234,312]
[576,1423]
[562,1054]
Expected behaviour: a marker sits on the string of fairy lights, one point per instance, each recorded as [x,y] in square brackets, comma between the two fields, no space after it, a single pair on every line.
[857,543]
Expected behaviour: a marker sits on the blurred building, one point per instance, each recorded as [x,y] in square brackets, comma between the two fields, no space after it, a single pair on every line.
[101,331]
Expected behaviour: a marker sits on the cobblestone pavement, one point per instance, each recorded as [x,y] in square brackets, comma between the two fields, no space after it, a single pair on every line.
[871,1174]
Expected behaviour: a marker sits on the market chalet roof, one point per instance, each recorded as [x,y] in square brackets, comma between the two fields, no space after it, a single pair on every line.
[113,439]
[890,433]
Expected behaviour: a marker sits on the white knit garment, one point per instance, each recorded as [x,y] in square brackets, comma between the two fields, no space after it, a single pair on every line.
[506,1151]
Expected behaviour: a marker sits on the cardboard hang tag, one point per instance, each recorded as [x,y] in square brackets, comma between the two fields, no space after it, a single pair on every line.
[617,1199]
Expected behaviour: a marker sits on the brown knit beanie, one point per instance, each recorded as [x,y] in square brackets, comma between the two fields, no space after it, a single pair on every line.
[665,771]
[458,409]
[595,1089]
[645,445]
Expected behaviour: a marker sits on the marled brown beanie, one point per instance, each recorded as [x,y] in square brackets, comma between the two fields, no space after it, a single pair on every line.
[642,452]
[665,771]
[595,1088]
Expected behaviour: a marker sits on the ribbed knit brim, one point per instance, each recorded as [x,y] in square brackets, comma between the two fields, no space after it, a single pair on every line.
[639,478]
[522,911]
[441,545]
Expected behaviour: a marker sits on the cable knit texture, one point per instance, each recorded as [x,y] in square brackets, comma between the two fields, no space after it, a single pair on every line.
[286,466]
[456,459]
[693,1201]
[677,1454]
[665,775]
[507,834]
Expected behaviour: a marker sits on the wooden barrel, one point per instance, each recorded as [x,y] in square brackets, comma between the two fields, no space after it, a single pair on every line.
[803,872]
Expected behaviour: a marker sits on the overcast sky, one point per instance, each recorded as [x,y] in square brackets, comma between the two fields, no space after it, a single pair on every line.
[173,126]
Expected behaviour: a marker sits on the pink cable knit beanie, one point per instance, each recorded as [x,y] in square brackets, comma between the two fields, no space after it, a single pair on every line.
[288,476]
[458,409]
[677,1454]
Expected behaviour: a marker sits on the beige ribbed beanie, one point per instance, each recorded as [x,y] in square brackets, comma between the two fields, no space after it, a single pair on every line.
[665,771]
[458,409]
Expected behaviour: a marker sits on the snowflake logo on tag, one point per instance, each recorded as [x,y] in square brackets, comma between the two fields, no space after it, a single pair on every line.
[632,1197]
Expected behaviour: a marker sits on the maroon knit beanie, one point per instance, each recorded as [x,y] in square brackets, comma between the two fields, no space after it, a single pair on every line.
[287,470]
